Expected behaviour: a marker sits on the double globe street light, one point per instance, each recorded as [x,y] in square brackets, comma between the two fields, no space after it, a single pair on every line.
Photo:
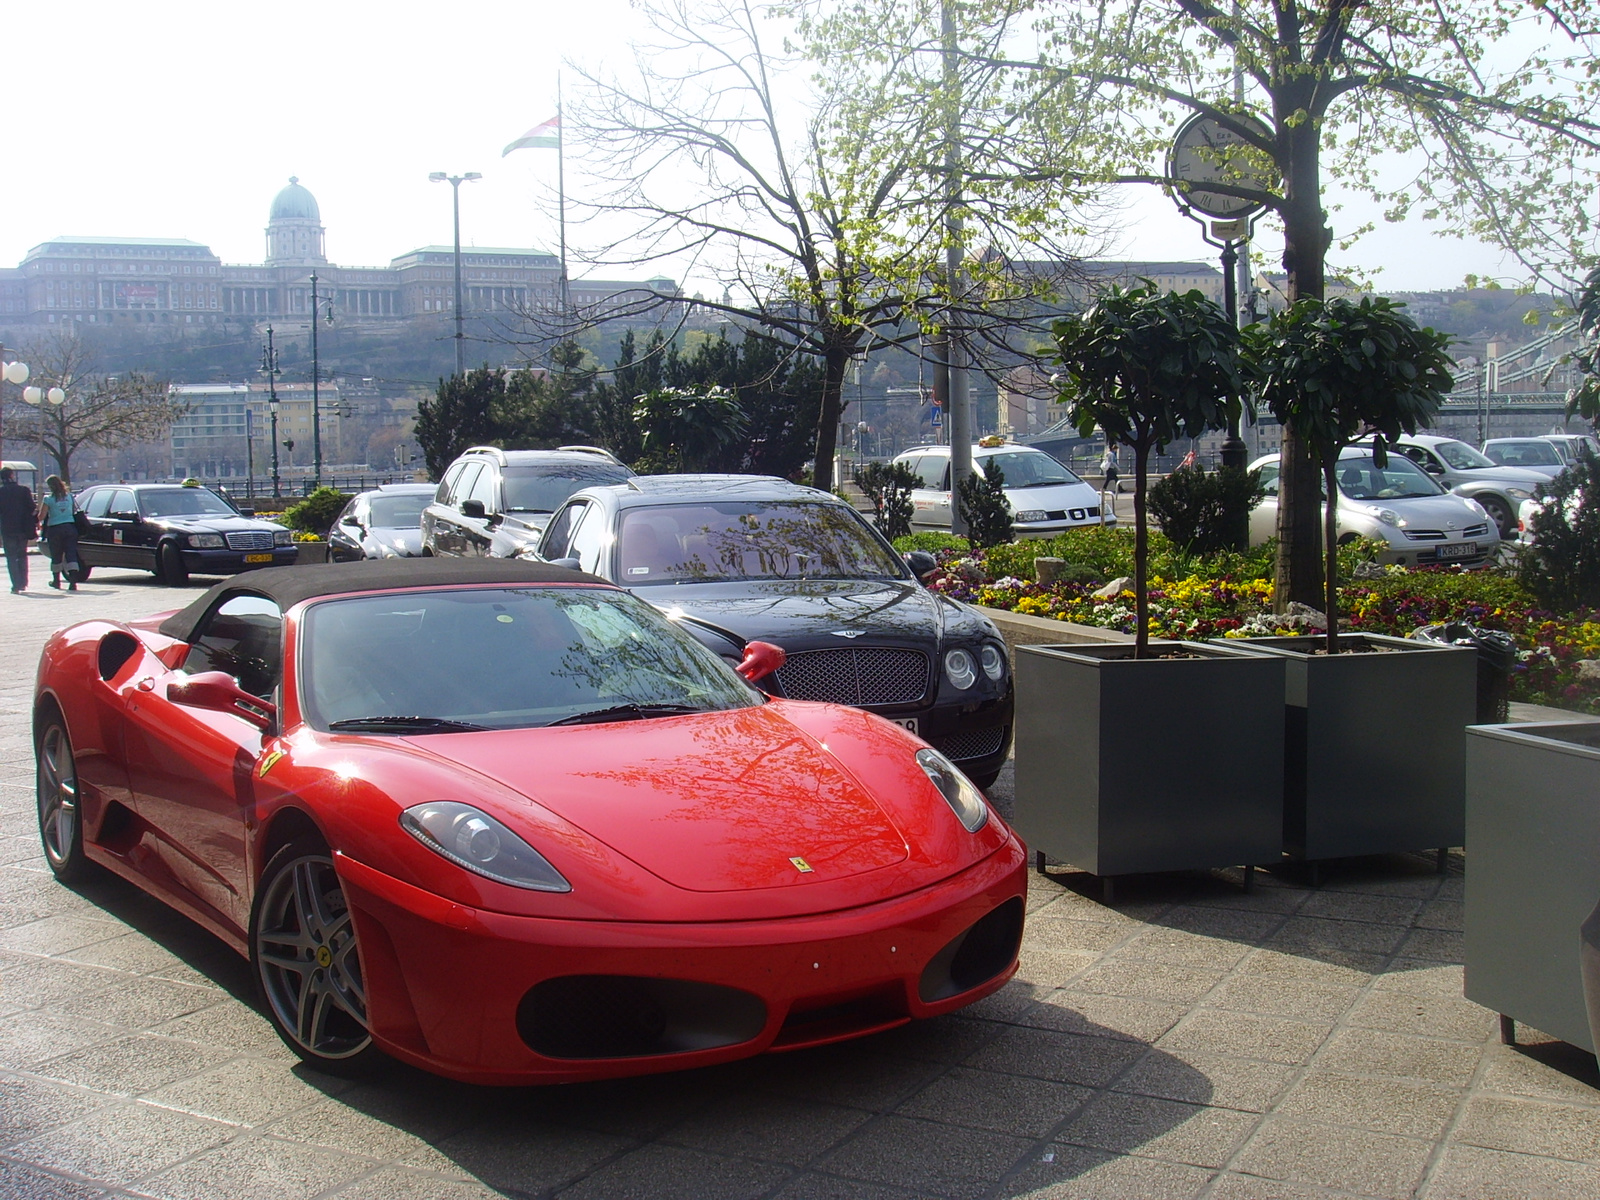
[455,182]
[10,372]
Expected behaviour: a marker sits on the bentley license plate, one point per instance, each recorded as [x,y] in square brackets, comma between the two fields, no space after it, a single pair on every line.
[905,722]
[258,558]
[1459,550]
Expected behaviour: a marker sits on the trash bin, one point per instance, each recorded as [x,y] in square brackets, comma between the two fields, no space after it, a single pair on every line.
[1497,653]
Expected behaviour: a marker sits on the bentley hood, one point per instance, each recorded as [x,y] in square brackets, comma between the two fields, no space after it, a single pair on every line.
[803,613]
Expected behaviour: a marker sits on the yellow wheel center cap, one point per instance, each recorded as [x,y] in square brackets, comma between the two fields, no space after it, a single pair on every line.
[324,957]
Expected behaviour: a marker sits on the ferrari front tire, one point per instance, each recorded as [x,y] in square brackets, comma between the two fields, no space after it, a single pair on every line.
[303,951]
[60,819]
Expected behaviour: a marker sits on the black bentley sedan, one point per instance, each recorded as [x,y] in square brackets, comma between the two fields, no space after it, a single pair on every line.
[175,529]
[747,558]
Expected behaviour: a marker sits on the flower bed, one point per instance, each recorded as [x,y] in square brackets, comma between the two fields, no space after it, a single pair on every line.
[1231,595]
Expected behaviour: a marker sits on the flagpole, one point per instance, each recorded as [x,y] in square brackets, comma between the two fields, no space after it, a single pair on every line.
[561,198]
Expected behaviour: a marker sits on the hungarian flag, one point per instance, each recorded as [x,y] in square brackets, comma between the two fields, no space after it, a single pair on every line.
[546,136]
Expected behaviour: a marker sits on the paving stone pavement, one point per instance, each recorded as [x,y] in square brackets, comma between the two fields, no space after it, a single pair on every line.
[1193,1041]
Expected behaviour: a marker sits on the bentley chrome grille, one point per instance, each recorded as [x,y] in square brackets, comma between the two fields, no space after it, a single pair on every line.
[860,675]
[250,539]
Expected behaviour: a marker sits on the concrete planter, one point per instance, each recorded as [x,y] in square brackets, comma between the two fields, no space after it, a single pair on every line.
[1131,765]
[1374,744]
[310,552]
[1533,823]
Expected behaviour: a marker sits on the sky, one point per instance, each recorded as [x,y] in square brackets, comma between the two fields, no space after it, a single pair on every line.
[176,118]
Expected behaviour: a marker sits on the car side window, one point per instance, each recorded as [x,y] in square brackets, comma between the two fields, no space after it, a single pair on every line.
[935,472]
[911,464]
[1269,478]
[243,638]
[484,489]
[448,483]
[464,483]
[1416,454]
[559,535]
[589,540]
[97,503]
[122,502]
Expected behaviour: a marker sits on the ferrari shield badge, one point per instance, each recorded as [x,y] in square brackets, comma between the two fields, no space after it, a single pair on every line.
[801,865]
[268,761]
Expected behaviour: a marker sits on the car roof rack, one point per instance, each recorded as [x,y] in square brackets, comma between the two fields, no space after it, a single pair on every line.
[493,452]
[600,450]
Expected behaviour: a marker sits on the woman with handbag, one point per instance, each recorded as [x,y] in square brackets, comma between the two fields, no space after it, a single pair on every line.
[59,516]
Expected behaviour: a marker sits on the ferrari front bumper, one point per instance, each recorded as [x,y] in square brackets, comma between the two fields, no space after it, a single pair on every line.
[469,993]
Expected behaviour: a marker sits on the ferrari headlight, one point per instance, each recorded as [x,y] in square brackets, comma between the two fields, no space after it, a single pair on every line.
[1033,514]
[965,800]
[959,668]
[282,537]
[473,839]
[206,541]
[992,661]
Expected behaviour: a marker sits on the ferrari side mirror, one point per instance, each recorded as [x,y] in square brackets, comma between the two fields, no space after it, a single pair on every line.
[217,692]
[760,660]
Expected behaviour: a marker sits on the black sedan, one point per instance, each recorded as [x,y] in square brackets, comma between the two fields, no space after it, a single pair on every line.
[383,523]
[742,558]
[175,530]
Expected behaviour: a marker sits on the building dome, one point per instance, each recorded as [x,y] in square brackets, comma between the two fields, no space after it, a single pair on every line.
[295,202]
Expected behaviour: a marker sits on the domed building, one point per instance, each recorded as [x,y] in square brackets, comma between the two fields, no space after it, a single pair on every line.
[294,228]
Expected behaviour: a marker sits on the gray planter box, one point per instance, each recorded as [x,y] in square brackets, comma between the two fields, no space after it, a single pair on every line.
[1374,745]
[1533,823]
[1130,765]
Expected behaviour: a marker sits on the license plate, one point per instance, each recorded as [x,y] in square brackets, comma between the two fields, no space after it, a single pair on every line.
[905,722]
[258,558]
[1460,550]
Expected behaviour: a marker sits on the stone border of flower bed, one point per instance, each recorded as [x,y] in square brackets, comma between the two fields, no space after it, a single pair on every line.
[1019,629]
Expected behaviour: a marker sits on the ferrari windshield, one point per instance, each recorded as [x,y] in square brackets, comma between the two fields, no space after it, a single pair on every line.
[748,539]
[546,488]
[183,502]
[502,658]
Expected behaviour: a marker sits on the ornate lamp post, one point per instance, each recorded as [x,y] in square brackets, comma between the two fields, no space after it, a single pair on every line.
[455,182]
[38,396]
[11,372]
[316,380]
[269,368]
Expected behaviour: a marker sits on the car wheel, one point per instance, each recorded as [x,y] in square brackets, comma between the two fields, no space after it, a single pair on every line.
[81,575]
[303,951]
[60,821]
[172,572]
[1500,513]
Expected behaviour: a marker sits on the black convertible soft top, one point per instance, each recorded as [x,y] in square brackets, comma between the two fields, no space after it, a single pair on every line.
[287,586]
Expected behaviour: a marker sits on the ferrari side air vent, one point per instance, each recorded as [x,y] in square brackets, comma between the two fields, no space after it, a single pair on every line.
[976,956]
[115,651]
[627,1016]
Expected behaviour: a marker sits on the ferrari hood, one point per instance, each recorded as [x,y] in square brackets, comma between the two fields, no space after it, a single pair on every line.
[713,802]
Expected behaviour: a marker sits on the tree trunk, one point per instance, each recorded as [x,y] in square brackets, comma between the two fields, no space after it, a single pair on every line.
[834,361]
[1330,537]
[1305,244]
[1141,553]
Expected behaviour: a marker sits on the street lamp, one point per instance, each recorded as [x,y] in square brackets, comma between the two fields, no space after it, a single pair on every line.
[455,182]
[269,368]
[11,372]
[316,380]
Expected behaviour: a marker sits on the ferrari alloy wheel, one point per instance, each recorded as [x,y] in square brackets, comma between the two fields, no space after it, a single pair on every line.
[303,946]
[60,828]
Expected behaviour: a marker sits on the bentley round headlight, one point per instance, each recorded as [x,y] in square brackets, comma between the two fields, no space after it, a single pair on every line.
[959,668]
[993,662]
[473,839]
[965,800]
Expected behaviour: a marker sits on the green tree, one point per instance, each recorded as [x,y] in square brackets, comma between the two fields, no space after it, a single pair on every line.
[1338,370]
[1562,567]
[982,498]
[684,429]
[1147,368]
[461,413]
[888,486]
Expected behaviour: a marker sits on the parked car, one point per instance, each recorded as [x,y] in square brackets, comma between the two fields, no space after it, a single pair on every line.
[385,522]
[1570,445]
[756,558]
[1466,472]
[176,530]
[494,503]
[509,824]
[1045,496]
[1401,506]
[1529,454]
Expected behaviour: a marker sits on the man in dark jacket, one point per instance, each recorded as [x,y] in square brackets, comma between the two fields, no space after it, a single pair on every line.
[18,526]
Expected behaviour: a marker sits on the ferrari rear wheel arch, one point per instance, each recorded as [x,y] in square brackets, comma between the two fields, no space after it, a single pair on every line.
[57,794]
[307,965]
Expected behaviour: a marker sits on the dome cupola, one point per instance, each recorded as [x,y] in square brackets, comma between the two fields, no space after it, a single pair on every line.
[294,228]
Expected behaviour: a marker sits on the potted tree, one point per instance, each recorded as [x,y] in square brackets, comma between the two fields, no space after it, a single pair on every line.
[1374,726]
[1141,756]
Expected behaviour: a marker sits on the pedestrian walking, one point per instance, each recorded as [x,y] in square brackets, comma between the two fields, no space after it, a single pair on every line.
[59,515]
[18,526]
[1108,468]
[1188,459]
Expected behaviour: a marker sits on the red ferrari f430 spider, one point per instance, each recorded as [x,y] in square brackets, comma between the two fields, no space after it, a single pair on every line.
[512,825]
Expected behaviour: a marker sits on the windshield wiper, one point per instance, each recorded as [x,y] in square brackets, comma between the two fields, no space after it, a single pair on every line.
[627,712]
[418,724]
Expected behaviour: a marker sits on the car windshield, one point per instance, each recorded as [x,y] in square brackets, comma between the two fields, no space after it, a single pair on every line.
[183,502]
[502,658]
[545,489]
[1461,456]
[1402,479]
[399,512]
[1024,469]
[1523,454]
[699,543]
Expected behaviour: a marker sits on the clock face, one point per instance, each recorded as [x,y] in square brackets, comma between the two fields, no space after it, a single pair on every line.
[1206,151]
